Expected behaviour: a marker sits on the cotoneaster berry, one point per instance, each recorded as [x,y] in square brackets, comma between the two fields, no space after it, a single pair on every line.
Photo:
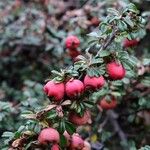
[78,120]
[77,142]
[55,147]
[108,105]
[87,146]
[95,21]
[73,53]
[72,42]
[129,43]
[115,70]
[74,87]
[48,135]
[55,90]
[94,82]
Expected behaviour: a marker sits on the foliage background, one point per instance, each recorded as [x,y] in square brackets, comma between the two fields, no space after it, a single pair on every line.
[32,35]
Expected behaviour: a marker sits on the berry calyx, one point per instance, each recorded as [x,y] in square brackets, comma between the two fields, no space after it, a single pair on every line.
[72,42]
[115,70]
[94,82]
[74,87]
[78,120]
[55,90]
[105,104]
[49,135]
[77,142]
[129,43]
[55,147]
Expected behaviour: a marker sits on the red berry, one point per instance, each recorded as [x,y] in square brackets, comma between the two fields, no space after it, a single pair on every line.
[129,43]
[77,142]
[55,147]
[94,82]
[87,146]
[72,42]
[108,105]
[74,88]
[115,71]
[74,53]
[55,90]
[95,21]
[78,120]
[48,135]
[17,3]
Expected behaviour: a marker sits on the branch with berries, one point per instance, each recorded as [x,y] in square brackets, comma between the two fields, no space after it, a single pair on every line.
[71,90]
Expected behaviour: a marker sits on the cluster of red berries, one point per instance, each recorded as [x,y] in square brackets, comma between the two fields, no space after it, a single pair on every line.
[72,43]
[72,89]
[52,136]
[75,87]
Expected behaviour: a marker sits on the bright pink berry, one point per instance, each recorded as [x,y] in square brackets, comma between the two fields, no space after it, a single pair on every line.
[94,82]
[77,142]
[74,88]
[48,135]
[115,70]
[55,147]
[55,90]
[72,42]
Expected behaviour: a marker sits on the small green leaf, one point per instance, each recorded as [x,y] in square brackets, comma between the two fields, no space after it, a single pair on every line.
[62,127]
[122,25]
[93,34]
[105,135]
[89,104]
[63,141]
[128,21]
[131,7]
[70,128]
[104,53]
[113,11]
[8,134]
[131,118]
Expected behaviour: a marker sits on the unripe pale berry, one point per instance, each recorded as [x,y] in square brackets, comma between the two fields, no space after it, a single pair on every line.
[129,43]
[108,105]
[115,70]
[77,142]
[55,147]
[48,135]
[78,120]
[72,42]
[55,90]
[94,82]
[74,88]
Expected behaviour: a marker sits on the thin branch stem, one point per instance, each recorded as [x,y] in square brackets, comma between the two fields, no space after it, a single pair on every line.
[113,119]
[108,42]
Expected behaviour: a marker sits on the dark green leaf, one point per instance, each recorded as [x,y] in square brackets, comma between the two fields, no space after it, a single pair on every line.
[70,128]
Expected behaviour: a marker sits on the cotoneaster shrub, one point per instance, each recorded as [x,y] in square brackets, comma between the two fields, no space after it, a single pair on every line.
[71,90]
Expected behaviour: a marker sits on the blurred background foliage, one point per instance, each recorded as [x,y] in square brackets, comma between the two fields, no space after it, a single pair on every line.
[32,35]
